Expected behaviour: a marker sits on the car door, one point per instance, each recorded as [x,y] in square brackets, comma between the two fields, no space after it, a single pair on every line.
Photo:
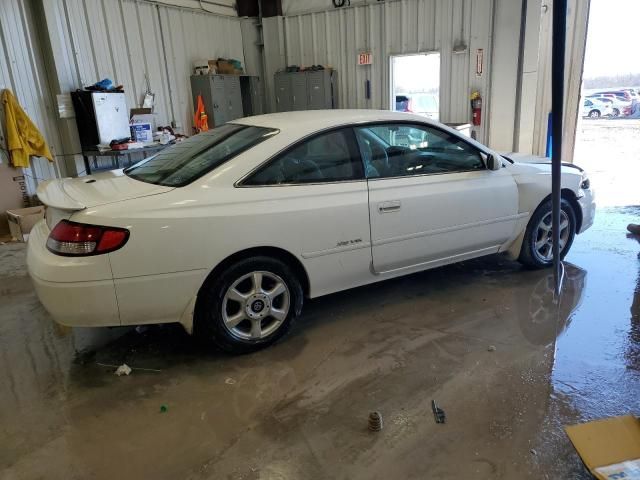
[313,201]
[432,200]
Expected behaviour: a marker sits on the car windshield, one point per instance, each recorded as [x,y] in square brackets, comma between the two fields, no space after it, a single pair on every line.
[188,160]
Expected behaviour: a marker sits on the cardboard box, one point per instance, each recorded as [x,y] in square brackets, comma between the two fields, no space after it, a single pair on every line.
[225,67]
[144,118]
[610,448]
[22,220]
[141,132]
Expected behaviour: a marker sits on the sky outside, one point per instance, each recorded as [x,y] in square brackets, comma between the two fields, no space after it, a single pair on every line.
[613,41]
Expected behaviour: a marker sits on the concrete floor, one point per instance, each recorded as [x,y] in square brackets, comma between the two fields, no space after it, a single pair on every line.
[299,409]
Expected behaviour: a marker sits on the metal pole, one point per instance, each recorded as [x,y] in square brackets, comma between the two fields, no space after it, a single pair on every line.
[557,101]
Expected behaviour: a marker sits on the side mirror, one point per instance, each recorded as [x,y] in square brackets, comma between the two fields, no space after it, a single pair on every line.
[493,163]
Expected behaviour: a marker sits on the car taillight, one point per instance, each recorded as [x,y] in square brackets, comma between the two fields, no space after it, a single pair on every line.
[78,239]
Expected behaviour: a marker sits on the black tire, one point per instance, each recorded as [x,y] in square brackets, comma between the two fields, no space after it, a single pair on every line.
[209,324]
[528,253]
[594,114]
[616,112]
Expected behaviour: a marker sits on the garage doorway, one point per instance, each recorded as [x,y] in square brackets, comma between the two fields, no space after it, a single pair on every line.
[415,84]
[608,129]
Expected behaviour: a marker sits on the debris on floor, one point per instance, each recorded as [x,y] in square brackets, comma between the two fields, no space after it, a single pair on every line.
[492,348]
[123,369]
[610,448]
[438,413]
[375,421]
[164,408]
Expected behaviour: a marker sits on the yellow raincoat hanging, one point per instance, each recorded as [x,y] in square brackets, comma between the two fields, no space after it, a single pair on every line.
[23,137]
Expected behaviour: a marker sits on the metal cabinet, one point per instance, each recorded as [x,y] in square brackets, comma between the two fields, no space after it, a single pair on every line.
[232,104]
[308,90]
[282,84]
[223,96]
[299,95]
[320,90]
[252,97]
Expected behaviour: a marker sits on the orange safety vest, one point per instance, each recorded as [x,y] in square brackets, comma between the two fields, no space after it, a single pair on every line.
[200,118]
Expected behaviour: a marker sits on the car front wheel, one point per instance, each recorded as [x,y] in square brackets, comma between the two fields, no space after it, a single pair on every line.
[594,114]
[248,306]
[537,246]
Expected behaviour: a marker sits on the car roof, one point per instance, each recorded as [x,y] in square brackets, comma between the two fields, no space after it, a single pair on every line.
[308,121]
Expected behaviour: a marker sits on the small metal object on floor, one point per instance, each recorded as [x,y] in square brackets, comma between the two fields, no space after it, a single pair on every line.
[438,413]
[375,421]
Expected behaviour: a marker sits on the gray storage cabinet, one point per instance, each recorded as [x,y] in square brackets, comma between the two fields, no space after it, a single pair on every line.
[309,90]
[299,93]
[251,90]
[282,84]
[224,97]
[321,92]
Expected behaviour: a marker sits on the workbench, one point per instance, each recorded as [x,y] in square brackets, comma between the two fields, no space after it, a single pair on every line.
[116,156]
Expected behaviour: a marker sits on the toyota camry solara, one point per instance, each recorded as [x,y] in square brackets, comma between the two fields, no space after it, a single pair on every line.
[229,231]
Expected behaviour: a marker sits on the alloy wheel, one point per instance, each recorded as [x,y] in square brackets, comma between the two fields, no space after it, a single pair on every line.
[255,305]
[543,246]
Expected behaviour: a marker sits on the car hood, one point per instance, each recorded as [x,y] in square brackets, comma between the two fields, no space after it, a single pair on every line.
[93,190]
[526,162]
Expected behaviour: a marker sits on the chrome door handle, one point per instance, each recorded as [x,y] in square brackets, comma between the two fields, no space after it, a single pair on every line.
[387,207]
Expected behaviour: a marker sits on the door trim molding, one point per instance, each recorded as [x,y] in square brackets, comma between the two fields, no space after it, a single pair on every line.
[438,231]
[339,249]
[438,262]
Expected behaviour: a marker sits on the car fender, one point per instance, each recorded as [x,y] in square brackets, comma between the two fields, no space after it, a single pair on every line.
[533,178]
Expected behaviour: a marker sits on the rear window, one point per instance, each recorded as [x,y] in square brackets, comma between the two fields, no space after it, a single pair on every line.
[186,161]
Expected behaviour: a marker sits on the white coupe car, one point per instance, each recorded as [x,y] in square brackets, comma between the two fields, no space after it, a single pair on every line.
[228,231]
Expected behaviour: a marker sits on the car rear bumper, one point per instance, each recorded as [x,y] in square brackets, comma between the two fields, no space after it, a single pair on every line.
[79,304]
[76,291]
[81,291]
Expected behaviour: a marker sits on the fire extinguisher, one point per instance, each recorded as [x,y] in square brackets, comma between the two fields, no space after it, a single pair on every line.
[476,108]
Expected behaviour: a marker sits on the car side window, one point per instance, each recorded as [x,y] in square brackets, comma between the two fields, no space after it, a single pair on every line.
[327,157]
[396,150]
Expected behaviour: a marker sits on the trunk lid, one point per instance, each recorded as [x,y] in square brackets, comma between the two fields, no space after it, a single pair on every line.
[73,194]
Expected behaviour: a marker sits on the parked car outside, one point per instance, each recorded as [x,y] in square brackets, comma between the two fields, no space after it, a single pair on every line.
[229,231]
[403,103]
[596,108]
[426,104]
[619,106]
[633,93]
[624,94]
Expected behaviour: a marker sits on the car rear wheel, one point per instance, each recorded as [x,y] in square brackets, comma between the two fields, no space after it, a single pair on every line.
[616,112]
[594,114]
[536,250]
[249,306]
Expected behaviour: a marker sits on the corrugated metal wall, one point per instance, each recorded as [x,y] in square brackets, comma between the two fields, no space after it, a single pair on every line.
[127,41]
[21,70]
[61,45]
[395,27]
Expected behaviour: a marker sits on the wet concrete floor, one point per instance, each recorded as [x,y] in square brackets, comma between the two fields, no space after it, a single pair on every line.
[299,409]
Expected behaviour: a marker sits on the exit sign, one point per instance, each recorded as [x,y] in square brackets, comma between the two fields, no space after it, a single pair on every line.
[364,58]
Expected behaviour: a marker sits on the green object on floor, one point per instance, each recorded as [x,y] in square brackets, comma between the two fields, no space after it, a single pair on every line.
[164,408]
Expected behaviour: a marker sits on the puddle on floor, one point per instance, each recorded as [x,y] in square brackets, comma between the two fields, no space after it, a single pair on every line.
[596,370]
[394,342]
